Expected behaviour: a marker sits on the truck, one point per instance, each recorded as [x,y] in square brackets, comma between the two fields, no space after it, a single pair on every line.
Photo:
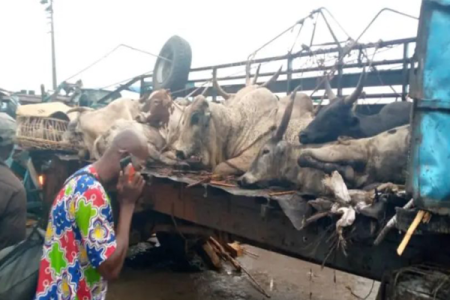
[179,203]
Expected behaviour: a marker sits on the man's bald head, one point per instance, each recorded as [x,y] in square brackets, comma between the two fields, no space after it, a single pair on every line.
[132,142]
[127,142]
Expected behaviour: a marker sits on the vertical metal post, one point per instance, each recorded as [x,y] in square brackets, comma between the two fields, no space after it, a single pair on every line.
[52,32]
[340,73]
[143,88]
[214,92]
[405,71]
[289,73]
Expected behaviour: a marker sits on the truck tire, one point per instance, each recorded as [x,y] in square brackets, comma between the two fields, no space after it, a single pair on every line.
[173,65]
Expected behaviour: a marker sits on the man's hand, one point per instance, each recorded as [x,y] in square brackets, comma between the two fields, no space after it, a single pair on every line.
[129,187]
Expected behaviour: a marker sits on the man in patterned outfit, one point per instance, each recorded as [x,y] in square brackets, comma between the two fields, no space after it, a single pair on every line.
[82,250]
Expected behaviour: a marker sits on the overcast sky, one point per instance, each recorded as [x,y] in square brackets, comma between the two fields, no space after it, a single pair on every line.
[218,31]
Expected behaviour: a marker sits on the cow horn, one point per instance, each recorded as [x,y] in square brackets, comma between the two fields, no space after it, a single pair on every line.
[247,73]
[273,78]
[286,117]
[204,91]
[256,74]
[357,92]
[331,95]
[219,89]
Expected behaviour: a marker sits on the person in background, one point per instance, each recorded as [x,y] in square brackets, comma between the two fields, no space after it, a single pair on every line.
[13,199]
[82,249]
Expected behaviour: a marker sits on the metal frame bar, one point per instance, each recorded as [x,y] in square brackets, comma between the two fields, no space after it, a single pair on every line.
[340,82]
[290,81]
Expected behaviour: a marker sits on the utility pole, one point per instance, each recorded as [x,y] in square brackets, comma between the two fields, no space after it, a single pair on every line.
[49,9]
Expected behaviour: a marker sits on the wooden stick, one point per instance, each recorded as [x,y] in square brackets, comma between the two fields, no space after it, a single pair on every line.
[225,255]
[239,267]
[410,232]
[205,180]
[215,260]
[259,287]
[249,253]
[282,193]
[219,183]
[316,217]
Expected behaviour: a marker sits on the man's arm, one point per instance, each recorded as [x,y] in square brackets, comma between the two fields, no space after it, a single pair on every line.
[129,192]
[13,216]
[18,209]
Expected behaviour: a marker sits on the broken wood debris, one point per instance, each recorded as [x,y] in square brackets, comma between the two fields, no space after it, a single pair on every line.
[204,180]
[222,183]
[216,251]
[421,216]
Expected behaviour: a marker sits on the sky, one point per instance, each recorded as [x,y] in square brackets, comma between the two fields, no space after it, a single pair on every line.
[218,32]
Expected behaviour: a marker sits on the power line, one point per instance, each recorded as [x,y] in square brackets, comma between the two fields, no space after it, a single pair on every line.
[111,52]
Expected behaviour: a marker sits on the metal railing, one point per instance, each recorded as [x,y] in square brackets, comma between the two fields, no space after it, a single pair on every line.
[385,77]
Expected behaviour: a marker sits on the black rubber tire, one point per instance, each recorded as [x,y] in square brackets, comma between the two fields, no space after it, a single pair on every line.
[173,75]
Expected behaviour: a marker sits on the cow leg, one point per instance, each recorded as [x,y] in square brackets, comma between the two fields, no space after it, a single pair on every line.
[348,154]
[346,171]
[235,166]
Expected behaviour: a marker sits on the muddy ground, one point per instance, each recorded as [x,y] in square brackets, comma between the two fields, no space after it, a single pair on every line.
[283,277]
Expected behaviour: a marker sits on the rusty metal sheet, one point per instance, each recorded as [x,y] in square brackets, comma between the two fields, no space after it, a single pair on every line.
[293,205]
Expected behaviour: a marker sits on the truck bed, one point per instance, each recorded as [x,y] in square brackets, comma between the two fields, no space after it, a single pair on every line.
[259,218]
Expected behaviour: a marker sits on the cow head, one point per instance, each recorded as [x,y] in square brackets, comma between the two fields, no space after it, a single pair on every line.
[266,167]
[157,108]
[74,135]
[335,119]
[196,133]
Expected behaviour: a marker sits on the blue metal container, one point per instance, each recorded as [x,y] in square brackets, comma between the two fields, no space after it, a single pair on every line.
[429,170]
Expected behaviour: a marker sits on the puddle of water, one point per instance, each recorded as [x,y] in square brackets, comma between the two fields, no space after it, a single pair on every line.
[290,279]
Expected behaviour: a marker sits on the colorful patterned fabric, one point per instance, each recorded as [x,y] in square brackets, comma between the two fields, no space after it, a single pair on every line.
[80,236]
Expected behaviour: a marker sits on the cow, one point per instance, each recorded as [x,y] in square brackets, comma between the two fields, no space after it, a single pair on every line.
[89,124]
[338,118]
[362,162]
[159,138]
[155,141]
[156,109]
[276,162]
[226,137]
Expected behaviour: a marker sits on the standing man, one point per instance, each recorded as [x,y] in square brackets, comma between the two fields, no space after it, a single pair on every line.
[82,250]
[13,199]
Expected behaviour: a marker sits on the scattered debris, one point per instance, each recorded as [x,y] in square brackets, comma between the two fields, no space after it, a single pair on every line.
[391,224]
